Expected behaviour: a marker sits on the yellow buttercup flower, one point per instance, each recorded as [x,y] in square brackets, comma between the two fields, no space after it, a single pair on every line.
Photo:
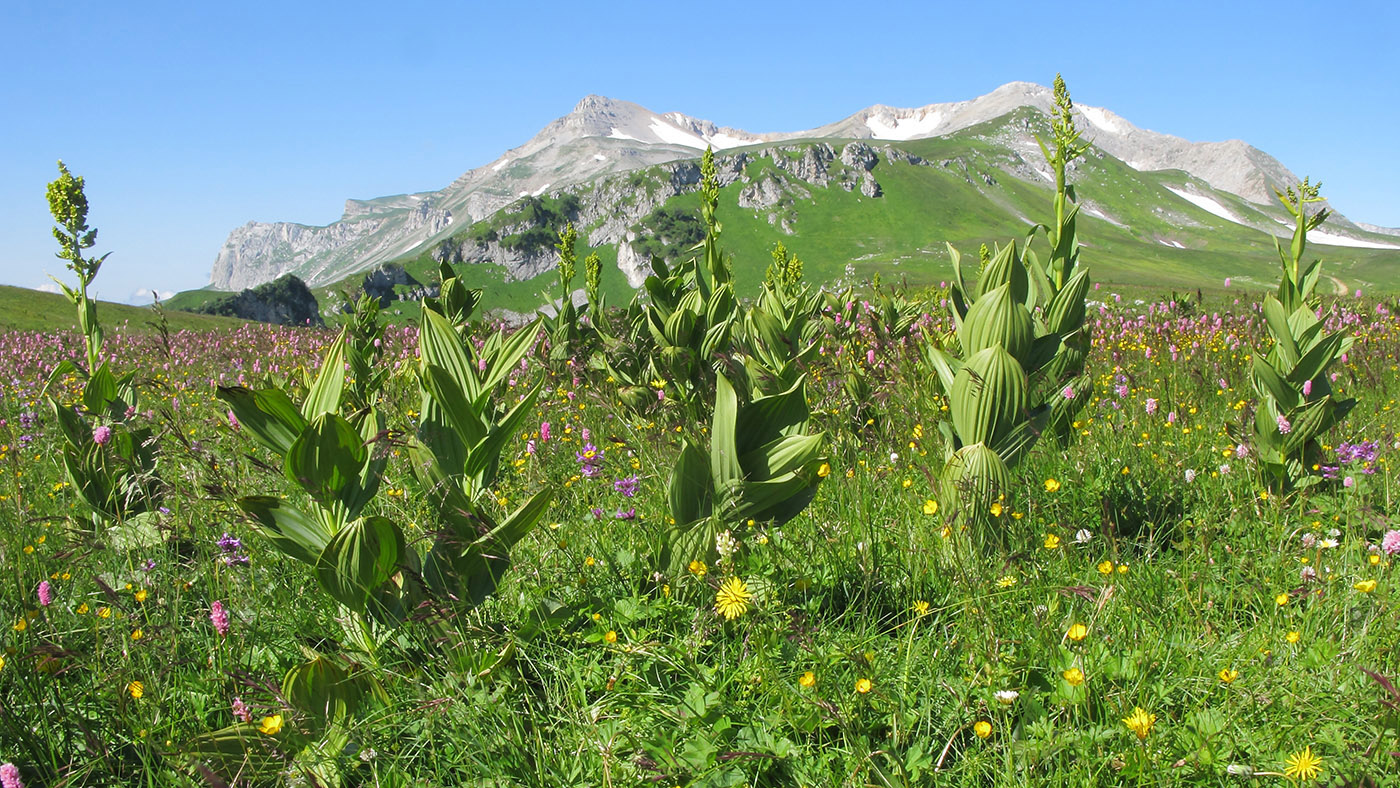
[697,568]
[1228,675]
[1293,637]
[1281,600]
[1106,568]
[1077,632]
[930,507]
[824,470]
[271,725]
[983,729]
[610,637]
[1052,485]
[141,595]
[1052,542]
[997,509]
[1140,722]
[864,685]
[1365,586]
[808,680]
[135,689]
[137,634]
[733,599]
[1074,676]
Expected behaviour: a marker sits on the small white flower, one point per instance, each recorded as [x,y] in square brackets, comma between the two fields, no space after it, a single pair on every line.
[725,545]
[1327,544]
[1007,697]
[1082,536]
[894,456]
[1190,475]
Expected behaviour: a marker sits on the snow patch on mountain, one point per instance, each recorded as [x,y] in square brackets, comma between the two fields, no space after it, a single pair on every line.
[886,127]
[1207,204]
[1103,119]
[675,136]
[1332,239]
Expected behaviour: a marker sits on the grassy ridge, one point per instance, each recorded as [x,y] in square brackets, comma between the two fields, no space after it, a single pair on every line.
[22,309]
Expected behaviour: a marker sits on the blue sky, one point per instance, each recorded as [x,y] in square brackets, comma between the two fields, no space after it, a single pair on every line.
[189,119]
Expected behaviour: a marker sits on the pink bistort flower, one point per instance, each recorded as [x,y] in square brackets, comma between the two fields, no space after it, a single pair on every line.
[45,594]
[1390,543]
[218,615]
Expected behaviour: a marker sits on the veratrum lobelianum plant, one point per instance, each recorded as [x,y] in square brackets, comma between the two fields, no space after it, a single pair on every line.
[760,464]
[110,464]
[1062,273]
[1296,401]
[997,385]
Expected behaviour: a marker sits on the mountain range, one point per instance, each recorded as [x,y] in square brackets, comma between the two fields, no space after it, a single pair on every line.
[954,171]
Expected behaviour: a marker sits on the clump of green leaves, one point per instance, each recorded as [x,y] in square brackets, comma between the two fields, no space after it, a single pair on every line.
[110,462]
[1296,402]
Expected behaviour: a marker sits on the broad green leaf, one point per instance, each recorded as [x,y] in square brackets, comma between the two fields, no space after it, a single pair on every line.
[324,396]
[361,555]
[484,458]
[781,456]
[439,346]
[268,414]
[724,451]
[689,489]
[326,460]
[290,530]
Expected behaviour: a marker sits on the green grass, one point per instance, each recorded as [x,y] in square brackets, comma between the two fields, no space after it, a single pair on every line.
[30,310]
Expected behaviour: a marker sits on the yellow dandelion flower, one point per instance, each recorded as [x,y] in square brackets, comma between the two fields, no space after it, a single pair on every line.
[864,685]
[733,599]
[1006,581]
[135,689]
[1052,485]
[808,680]
[271,725]
[921,608]
[983,729]
[1303,765]
[1077,632]
[1074,676]
[1140,722]
[1228,675]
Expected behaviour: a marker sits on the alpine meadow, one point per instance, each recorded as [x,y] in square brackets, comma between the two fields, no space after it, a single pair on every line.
[811,465]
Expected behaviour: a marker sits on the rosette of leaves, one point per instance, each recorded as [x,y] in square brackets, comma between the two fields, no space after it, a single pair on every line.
[761,464]
[780,335]
[997,400]
[456,456]
[687,320]
[361,561]
[1296,400]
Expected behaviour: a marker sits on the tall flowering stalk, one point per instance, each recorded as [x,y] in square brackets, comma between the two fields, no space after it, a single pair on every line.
[1292,379]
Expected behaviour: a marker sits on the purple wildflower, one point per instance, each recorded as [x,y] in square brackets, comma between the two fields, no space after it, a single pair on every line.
[240,711]
[1390,543]
[45,594]
[1067,392]
[544,432]
[1284,427]
[9,776]
[630,514]
[627,486]
[102,435]
[1151,406]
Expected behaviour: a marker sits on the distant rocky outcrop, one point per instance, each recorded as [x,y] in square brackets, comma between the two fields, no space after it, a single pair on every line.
[285,301]
[380,282]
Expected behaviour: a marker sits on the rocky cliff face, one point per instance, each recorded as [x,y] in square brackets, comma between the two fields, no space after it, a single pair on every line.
[602,137]
[285,301]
